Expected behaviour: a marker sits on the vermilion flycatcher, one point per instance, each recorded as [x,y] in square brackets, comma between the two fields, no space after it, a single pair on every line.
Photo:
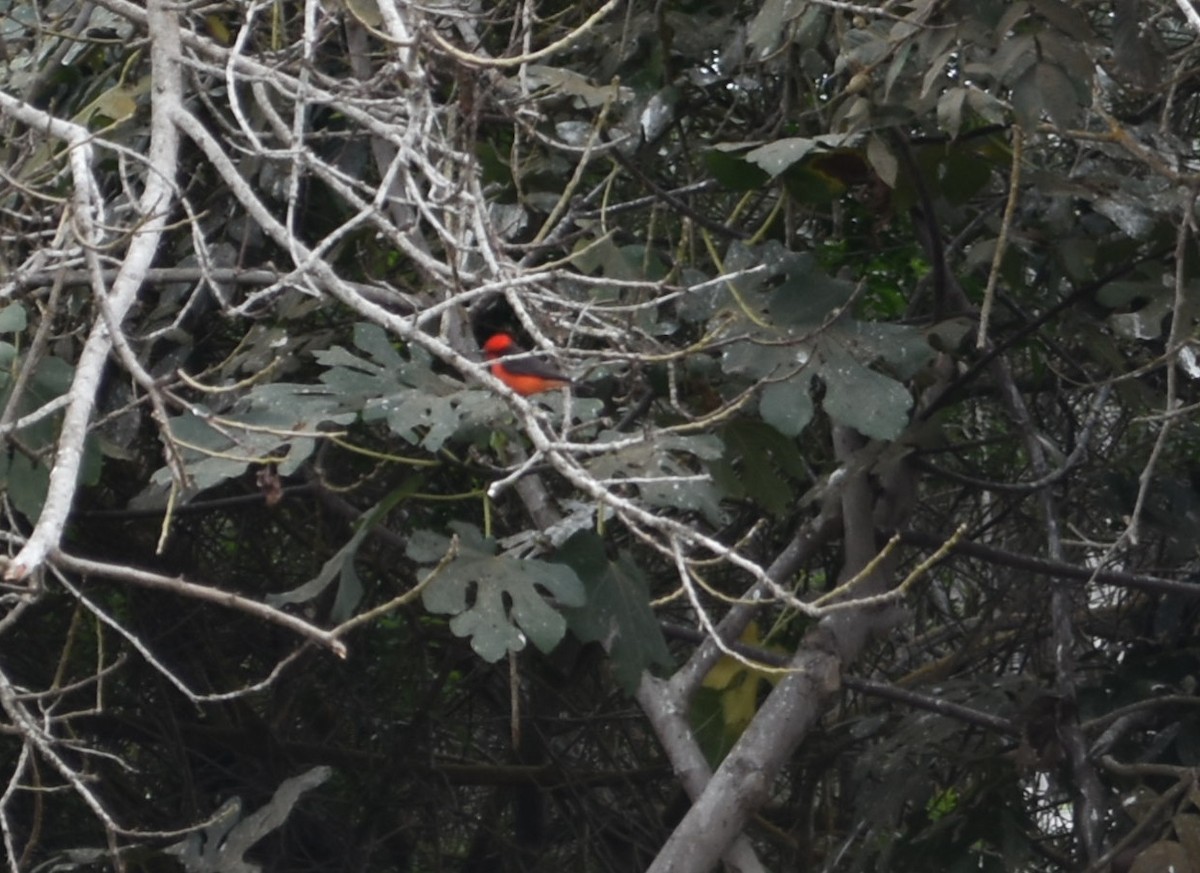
[524,375]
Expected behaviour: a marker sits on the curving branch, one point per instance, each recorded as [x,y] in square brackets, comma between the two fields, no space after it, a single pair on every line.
[154,207]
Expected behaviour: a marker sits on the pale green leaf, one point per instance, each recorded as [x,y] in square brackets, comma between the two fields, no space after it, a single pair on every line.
[497,600]
[787,406]
[12,318]
[950,110]
[663,457]
[880,156]
[341,566]
[777,156]
[873,404]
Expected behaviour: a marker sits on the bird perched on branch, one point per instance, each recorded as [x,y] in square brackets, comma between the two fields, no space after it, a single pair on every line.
[526,376]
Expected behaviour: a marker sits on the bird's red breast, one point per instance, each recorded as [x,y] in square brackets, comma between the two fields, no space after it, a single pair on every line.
[526,376]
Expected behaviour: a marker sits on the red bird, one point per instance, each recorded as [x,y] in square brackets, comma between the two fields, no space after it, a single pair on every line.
[525,375]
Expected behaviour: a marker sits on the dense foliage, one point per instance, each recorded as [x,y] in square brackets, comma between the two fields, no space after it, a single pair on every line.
[866,540]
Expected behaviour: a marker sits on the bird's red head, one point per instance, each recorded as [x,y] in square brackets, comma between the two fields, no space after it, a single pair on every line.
[499,345]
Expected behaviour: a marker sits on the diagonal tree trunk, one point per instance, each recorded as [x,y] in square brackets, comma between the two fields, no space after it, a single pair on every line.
[742,784]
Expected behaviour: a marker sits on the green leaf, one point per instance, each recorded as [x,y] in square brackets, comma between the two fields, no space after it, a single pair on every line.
[763,262]
[963,175]
[574,85]
[858,397]
[883,162]
[904,349]
[341,565]
[52,378]
[1058,94]
[330,571]
[1160,856]
[733,171]
[618,613]
[1028,99]
[116,104]
[349,593]
[760,463]
[12,318]
[601,256]
[950,111]
[703,298]
[949,335]
[777,156]
[707,718]
[758,361]
[787,406]
[1187,828]
[429,420]
[987,107]
[420,406]
[274,415]
[285,421]
[770,25]
[1070,21]
[942,804]
[659,456]
[377,343]
[426,547]
[810,184]
[1014,58]
[495,599]
[223,843]
[808,295]
[25,482]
